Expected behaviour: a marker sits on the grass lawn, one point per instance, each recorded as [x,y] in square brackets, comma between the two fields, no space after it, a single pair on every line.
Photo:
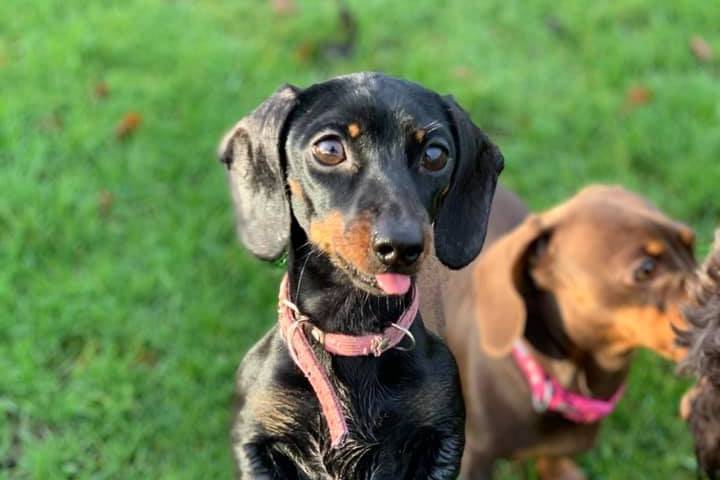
[125,301]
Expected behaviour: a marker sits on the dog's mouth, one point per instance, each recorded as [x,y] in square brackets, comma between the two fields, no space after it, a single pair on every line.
[387,283]
[673,353]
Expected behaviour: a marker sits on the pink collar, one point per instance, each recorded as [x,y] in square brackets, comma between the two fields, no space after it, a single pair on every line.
[291,328]
[549,395]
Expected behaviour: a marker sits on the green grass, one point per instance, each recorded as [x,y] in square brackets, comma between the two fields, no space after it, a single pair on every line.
[125,301]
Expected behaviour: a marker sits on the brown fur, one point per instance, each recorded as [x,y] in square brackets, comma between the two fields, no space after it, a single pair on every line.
[350,242]
[355,244]
[701,405]
[559,469]
[564,282]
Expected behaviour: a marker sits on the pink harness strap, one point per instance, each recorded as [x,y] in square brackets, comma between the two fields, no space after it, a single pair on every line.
[548,395]
[291,327]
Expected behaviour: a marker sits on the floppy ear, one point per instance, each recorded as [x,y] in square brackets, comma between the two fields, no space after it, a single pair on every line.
[252,151]
[499,276]
[461,222]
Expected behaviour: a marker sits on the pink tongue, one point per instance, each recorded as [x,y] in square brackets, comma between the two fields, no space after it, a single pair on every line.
[393,283]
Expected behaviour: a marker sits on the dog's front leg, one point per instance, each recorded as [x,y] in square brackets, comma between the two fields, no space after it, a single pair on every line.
[446,458]
[256,461]
[430,455]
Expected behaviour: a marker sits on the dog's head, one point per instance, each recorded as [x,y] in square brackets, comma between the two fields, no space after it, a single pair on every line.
[375,170]
[616,268]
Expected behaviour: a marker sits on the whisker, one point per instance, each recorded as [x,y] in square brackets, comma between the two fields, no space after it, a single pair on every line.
[302,271]
[432,126]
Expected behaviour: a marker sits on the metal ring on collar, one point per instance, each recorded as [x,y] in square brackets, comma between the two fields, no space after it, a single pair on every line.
[291,333]
[542,404]
[407,334]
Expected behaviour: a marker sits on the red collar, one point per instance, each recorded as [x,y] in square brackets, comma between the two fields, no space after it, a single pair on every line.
[548,395]
[291,328]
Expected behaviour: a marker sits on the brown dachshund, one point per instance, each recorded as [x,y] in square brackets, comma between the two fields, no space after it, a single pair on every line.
[577,288]
[701,405]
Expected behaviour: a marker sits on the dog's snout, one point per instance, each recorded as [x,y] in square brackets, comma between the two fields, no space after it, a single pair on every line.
[399,246]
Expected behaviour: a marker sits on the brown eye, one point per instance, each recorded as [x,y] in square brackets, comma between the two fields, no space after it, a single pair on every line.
[435,158]
[646,269]
[329,151]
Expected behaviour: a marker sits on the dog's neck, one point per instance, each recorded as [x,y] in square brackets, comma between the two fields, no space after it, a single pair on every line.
[329,299]
[569,363]
[544,328]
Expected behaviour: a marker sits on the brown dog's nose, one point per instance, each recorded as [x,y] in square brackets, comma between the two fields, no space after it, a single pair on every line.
[398,247]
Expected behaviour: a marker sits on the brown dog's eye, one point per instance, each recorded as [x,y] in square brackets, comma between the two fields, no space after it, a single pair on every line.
[329,151]
[435,158]
[645,270]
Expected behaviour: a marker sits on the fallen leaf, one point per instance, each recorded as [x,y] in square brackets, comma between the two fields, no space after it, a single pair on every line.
[284,7]
[638,95]
[128,124]
[147,356]
[462,72]
[701,49]
[101,90]
[52,123]
[105,203]
[305,51]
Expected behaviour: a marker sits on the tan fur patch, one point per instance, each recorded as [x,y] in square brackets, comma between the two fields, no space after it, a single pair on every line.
[687,400]
[295,188]
[355,245]
[273,410]
[687,236]
[655,248]
[558,468]
[647,326]
[350,242]
[354,130]
[420,135]
[326,231]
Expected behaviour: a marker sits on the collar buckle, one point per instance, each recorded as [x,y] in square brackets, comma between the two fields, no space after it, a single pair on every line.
[379,345]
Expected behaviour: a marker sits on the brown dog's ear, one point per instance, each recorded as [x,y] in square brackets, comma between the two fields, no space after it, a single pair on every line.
[499,278]
[461,222]
[252,150]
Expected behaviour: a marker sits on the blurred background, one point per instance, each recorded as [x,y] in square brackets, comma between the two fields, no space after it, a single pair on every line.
[126,302]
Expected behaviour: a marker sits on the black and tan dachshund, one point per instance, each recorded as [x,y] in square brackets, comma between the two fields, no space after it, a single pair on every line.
[359,178]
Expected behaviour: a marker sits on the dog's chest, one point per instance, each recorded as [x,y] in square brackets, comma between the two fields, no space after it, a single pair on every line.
[377,426]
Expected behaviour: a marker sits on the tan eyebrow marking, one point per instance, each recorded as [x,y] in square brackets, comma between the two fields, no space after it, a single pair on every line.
[420,135]
[353,129]
[655,248]
[687,236]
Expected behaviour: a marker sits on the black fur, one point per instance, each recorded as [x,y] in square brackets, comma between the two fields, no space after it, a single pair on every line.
[252,153]
[467,208]
[404,409]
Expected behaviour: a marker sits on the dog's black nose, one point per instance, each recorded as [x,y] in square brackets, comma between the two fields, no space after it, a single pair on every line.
[398,247]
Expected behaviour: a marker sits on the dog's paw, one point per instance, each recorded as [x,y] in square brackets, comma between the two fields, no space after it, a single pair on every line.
[559,468]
